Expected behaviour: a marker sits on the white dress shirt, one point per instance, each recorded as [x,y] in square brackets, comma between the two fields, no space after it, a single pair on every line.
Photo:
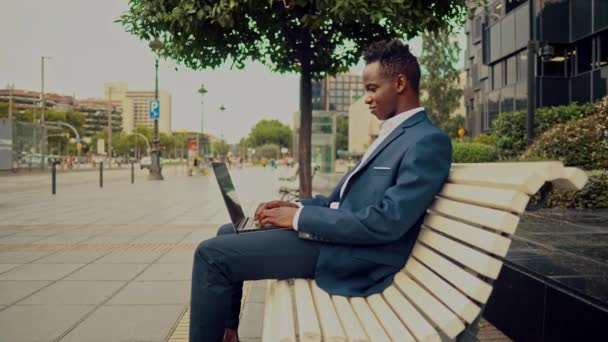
[386,128]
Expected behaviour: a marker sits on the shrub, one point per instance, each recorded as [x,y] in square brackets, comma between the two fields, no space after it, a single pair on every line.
[486,139]
[452,125]
[594,195]
[268,151]
[472,153]
[511,128]
[582,143]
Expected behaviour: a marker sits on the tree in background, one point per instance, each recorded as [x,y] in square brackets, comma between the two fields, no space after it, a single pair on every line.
[270,132]
[342,133]
[312,38]
[440,88]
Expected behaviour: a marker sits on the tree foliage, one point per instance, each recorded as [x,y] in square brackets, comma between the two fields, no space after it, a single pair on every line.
[441,92]
[314,38]
[270,132]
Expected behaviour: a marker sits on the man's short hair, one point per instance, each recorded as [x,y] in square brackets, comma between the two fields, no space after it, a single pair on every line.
[395,58]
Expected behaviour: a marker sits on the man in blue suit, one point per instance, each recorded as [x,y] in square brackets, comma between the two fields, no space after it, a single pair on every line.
[352,242]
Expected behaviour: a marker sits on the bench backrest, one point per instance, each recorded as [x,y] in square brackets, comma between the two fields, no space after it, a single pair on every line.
[467,233]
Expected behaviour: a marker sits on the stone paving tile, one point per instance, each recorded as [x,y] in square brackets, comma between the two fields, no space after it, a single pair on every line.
[166,272]
[197,237]
[74,292]
[12,291]
[64,238]
[177,257]
[70,257]
[16,240]
[107,272]
[6,267]
[109,238]
[40,271]
[129,257]
[159,238]
[38,323]
[17,257]
[127,323]
[153,292]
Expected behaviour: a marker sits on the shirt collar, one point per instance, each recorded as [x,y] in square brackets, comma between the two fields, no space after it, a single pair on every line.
[389,125]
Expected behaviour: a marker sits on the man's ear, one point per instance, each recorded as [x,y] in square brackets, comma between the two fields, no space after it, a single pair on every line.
[402,83]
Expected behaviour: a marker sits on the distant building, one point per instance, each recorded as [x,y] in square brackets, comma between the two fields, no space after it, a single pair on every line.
[362,127]
[96,115]
[573,37]
[136,107]
[32,99]
[336,94]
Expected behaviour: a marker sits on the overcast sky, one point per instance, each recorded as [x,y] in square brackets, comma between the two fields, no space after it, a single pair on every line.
[88,49]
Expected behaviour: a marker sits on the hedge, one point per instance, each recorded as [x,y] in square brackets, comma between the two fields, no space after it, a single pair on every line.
[511,127]
[582,143]
[472,153]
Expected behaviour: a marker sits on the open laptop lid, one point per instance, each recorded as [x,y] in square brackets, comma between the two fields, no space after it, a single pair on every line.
[228,193]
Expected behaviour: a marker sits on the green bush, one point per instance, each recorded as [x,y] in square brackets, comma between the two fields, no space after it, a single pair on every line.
[486,139]
[594,195]
[268,151]
[452,125]
[473,153]
[511,128]
[582,143]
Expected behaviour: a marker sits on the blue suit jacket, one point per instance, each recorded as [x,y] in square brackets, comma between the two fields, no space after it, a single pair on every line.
[371,235]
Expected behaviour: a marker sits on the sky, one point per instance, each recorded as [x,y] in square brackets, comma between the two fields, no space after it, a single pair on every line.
[87,49]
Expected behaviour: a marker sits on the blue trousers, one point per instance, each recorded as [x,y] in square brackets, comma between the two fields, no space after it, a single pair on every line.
[222,263]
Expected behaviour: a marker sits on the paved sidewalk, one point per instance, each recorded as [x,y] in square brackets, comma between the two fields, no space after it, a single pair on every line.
[111,264]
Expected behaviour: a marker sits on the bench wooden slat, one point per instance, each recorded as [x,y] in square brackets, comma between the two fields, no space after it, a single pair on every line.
[574,179]
[461,279]
[477,261]
[445,292]
[352,327]
[519,180]
[330,324]
[487,217]
[369,321]
[414,321]
[284,312]
[443,318]
[548,170]
[483,239]
[308,325]
[504,199]
[391,323]
[269,318]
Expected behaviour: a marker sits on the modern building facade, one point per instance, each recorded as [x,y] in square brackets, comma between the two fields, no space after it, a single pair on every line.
[336,94]
[570,61]
[96,115]
[363,127]
[32,99]
[135,105]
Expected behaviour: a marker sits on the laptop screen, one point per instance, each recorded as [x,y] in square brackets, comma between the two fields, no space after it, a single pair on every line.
[228,193]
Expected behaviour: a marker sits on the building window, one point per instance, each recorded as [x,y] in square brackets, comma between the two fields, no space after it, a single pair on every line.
[522,59]
[477,25]
[495,12]
[603,50]
[497,76]
[511,70]
[583,56]
[513,4]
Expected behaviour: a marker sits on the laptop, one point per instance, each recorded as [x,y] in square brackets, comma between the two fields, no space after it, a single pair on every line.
[240,223]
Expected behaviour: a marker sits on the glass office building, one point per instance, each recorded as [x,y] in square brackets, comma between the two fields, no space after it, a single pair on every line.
[344,90]
[573,37]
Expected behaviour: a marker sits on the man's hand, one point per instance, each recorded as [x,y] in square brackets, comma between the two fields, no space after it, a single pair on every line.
[278,217]
[271,205]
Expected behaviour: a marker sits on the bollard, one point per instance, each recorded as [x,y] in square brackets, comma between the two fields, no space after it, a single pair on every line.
[53,178]
[101,174]
[132,173]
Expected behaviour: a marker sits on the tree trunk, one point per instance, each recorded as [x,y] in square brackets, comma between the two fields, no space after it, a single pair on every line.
[305,126]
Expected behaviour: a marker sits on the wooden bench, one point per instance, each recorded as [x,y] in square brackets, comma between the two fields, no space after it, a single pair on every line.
[441,292]
[290,193]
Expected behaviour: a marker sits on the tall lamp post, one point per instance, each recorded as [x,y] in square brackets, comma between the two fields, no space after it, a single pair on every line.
[42,105]
[222,109]
[155,168]
[110,110]
[201,91]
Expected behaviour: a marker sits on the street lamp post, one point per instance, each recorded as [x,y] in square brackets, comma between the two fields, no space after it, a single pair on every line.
[42,105]
[110,127]
[201,91]
[155,168]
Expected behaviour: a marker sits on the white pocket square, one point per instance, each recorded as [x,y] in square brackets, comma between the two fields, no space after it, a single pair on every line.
[381,168]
